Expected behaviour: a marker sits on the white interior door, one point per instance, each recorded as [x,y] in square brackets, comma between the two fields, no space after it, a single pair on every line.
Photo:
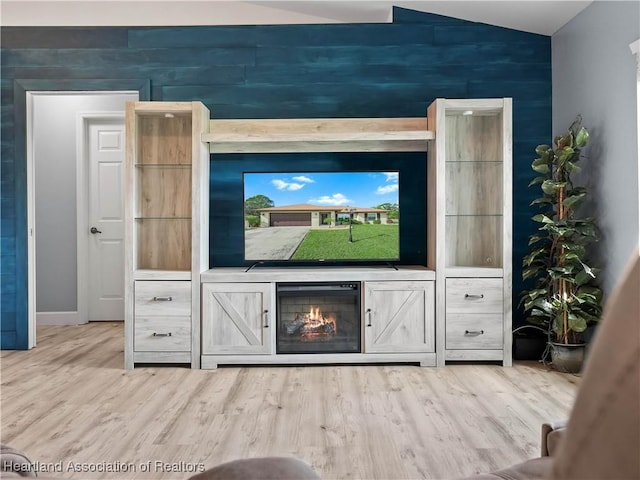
[105,148]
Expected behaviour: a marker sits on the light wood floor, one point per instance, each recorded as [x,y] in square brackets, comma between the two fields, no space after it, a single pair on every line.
[69,400]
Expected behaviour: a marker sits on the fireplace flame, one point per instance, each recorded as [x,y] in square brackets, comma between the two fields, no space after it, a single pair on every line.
[316,323]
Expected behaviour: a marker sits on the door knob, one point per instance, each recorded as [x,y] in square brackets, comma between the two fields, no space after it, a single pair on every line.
[94,230]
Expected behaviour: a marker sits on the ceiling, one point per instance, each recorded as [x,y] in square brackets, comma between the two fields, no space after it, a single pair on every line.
[537,16]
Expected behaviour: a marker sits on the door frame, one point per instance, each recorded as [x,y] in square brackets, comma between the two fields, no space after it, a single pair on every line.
[83,170]
[25,219]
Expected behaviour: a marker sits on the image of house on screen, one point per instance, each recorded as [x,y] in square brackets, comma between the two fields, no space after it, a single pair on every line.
[317,216]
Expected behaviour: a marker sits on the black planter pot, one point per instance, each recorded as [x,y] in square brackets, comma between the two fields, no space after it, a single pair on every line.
[529,342]
[528,347]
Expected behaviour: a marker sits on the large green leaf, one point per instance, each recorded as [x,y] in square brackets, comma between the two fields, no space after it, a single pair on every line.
[541,165]
[536,237]
[540,218]
[561,273]
[586,229]
[558,323]
[565,154]
[559,229]
[536,293]
[582,277]
[531,272]
[536,181]
[550,187]
[568,256]
[573,200]
[572,167]
[582,137]
[542,201]
[538,318]
[577,323]
[576,190]
[574,247]
[588,270]
[542,149]
[541,168]
[540,252]
[590,291]
[544,305]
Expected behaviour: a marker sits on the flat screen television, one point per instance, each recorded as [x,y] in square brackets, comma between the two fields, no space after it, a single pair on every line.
[322,216]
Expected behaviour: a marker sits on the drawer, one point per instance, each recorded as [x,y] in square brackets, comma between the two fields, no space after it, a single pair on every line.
[474,331]
[165,298]
[162,334]
[474,295]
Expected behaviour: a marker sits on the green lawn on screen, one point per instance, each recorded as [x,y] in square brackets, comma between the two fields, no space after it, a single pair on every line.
[370,241]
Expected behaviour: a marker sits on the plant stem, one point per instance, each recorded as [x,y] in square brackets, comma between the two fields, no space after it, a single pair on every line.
[562,287]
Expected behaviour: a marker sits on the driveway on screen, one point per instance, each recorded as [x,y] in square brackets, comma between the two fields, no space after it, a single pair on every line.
[273,243]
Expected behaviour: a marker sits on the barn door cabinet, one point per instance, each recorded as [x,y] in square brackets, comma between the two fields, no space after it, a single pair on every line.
[472,157]
[166,208]
[237,318]
[399,317]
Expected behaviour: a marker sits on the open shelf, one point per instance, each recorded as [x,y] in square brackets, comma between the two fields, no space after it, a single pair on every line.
[409,134]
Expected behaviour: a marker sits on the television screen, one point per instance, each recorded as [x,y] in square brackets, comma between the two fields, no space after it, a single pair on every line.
[321,216]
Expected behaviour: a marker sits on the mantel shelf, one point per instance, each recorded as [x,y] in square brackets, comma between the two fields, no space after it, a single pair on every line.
[292,135]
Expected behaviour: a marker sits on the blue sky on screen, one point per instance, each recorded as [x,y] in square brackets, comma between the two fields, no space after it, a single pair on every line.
[355,189]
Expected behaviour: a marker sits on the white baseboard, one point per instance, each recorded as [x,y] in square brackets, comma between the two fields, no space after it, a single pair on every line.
[58,318]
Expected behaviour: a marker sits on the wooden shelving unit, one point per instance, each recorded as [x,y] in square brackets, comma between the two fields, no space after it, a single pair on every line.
[167,231]
[465,313]
[471,160]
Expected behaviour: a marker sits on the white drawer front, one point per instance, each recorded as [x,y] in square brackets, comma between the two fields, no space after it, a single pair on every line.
[166,298]
[162,334]
[478,331]
[474,295]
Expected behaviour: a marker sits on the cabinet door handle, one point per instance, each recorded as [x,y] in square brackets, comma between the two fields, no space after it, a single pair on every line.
[163,299]
[369,314]
[161,334]
[266,318]
[474,333]
[471,295]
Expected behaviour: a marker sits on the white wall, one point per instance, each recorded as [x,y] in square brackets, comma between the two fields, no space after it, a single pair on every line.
[544,17]
[594,74]
[54,149]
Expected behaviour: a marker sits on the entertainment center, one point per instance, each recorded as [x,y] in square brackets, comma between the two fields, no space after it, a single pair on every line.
[188,303]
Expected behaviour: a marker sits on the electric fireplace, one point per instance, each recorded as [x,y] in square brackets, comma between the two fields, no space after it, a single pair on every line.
[318,317]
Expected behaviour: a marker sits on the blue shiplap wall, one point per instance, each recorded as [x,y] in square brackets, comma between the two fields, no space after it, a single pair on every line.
[353,70]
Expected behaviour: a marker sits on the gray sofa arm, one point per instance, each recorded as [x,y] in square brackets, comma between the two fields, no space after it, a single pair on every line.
[552,433]
[14,463]
[267,468]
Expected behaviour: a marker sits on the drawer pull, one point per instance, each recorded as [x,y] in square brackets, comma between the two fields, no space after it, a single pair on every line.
[266,319]
[161,334]
[163,299]
[470,295]
[474,333]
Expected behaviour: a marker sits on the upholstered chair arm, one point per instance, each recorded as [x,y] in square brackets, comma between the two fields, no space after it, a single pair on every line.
[552,433]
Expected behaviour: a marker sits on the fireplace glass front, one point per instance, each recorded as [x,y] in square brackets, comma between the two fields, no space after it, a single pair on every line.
[318,317]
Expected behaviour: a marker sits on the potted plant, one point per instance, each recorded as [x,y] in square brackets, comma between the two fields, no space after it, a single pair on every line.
[564,299]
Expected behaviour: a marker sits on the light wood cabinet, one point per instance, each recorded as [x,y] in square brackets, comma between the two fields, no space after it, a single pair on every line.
[470,163]
[399,317]
[163,334]
[464,315]
[237,318]
[167,177]
[240,322]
